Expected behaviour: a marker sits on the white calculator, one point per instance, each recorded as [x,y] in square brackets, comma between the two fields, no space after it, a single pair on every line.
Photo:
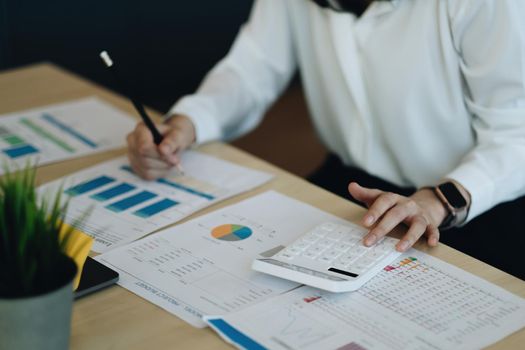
[331,257]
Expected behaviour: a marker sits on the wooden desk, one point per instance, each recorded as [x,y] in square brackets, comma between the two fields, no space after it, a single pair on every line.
[116,318]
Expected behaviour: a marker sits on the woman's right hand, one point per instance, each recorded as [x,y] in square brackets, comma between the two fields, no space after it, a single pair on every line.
[152,161]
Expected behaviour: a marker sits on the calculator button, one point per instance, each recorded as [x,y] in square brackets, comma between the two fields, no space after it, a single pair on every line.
[359,249]
[350,257]
[357,268]
[320,233]
[339,265]
[330,255]
[311,237]
[382,247]
[345,229]
[352,240]
[343,247]
[366,262]
[333,253]
[286,255]
[293,250]
[309,254]
[326,259]
[345,260]
[335,235]
[317,249]
[328,226]
[375,254]
[325,242]
[389,242]
[302,245]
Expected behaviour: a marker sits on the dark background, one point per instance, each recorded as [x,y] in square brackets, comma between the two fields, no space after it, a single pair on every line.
[163,48]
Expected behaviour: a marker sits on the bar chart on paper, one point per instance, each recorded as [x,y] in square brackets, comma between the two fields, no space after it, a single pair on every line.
[125,207]
[62,131]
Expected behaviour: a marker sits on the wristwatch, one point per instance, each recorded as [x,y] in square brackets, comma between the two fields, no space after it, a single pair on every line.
[455,203]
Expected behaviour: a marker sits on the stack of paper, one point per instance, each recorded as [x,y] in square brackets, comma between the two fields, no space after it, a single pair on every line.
[62,131]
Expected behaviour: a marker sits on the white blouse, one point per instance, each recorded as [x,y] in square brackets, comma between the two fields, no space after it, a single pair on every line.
[413,91]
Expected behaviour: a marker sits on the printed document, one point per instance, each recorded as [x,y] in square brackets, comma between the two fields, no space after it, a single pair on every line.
[62,131]
[124,207]
[203,266]
[417,302]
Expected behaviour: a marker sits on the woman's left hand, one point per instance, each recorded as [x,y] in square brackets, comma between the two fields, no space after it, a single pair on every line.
[422,212]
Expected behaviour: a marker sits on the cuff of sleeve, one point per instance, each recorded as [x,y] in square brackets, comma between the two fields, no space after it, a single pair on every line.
[478,184]
[206,125]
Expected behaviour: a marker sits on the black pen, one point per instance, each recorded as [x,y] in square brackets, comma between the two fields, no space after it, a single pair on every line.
[157,137]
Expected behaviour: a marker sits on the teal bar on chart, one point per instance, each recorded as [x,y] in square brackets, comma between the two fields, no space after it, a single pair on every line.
[155,208]
[185,189]
[20,151]
[113,192]
[131,201]
[89,185]
[69,130]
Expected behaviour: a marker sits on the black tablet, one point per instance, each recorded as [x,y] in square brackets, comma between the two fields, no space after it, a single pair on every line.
[95,276]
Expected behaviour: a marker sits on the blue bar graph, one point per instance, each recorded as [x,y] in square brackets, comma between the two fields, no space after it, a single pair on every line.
[113,192]
[131,201]
[185,188]
[155,208]
[67,129]
[89,185]
[20,151]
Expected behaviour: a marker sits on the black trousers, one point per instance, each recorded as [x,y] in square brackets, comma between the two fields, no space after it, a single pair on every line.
[496,237]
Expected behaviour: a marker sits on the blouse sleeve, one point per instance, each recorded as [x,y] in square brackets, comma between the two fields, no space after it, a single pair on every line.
[489,36]
[234,95]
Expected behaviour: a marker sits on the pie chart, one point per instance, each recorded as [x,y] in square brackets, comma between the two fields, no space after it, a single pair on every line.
[231,232]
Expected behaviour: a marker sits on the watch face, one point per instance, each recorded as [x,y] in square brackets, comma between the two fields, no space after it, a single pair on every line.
[453,195]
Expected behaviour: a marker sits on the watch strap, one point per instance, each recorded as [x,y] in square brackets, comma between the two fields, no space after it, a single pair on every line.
[456,216]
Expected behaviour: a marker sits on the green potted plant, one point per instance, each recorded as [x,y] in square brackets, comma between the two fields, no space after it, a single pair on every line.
[36,274]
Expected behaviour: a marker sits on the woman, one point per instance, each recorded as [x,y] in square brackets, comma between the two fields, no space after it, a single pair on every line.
[420,101]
